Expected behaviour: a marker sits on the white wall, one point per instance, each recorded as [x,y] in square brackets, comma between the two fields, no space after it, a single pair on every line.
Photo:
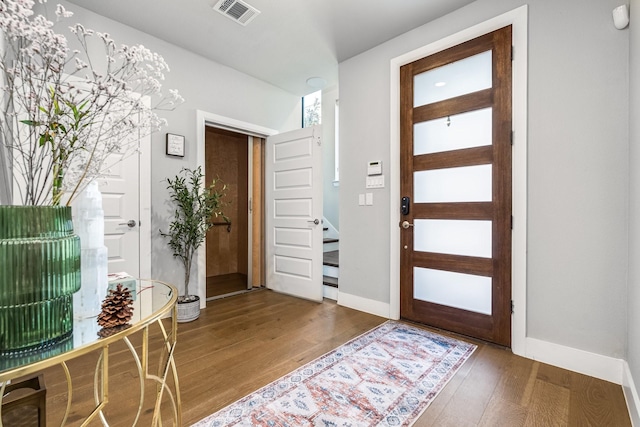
[206,86]
[633,356]
[577,172]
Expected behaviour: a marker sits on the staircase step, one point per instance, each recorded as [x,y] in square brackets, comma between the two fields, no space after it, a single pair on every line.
[330,281]
[331,258]
[330,240]
[328,270]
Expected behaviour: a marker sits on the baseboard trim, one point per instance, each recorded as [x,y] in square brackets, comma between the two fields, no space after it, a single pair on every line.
[364,304]
[631,395]
[592,364]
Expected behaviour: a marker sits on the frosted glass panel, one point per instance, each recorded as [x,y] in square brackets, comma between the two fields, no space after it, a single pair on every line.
[466,130]
[464,184]
[458,78]
[455,237]
[465,291]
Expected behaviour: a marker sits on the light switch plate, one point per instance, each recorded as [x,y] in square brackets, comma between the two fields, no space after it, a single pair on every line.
[369,199]
[375,181]
[361,199]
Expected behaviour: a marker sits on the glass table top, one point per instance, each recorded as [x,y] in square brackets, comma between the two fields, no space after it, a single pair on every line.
[152,301]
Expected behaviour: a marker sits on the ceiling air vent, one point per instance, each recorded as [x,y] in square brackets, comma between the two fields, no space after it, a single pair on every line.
[237,10]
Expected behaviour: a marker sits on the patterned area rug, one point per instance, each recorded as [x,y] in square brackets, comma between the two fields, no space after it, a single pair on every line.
[386,377]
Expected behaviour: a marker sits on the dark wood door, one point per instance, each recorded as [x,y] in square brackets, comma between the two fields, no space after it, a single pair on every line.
[456,171]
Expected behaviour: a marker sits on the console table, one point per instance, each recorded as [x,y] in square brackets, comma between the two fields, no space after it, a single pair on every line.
[154,300]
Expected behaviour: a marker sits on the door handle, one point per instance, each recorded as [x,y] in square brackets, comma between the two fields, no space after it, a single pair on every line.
[131,223]
[406,224]
[314,222]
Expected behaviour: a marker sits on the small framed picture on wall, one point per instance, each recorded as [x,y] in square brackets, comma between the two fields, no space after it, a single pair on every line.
[175,145]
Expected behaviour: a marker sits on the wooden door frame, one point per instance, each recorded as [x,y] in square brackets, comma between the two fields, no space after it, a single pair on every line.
[518,19]
[204,119]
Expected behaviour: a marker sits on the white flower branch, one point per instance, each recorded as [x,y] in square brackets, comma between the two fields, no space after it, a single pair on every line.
[62,116]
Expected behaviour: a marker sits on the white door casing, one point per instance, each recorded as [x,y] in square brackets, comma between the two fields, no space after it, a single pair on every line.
[293,187]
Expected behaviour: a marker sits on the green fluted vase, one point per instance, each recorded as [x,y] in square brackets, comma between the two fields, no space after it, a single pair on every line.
[39,272]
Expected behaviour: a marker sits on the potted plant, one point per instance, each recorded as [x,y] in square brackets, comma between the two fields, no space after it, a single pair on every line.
[61,117]
[196,207]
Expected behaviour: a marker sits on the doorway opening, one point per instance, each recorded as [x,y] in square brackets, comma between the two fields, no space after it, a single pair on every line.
[234,255]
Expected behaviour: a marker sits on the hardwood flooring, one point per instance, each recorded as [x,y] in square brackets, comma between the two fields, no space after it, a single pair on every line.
[244,342]
[226,284]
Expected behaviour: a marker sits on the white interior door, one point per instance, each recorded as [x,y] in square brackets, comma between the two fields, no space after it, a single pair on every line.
[127,219]
[121,223]
[293,187]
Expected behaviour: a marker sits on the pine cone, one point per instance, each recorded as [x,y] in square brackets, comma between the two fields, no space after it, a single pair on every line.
[107,332]
[116,308]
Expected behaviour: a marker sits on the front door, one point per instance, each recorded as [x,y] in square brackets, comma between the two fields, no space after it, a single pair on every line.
[456,182]
[293,213]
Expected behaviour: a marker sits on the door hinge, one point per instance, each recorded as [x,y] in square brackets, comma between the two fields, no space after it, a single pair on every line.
[512,136]
[512,306]
[512,222]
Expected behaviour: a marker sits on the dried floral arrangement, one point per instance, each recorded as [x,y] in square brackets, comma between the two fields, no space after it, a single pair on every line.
[62,113]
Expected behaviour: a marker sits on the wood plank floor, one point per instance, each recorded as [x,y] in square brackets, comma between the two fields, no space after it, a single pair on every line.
[226,284]
[244,342]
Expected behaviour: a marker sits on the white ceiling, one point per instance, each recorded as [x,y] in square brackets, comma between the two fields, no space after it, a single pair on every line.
[288,42]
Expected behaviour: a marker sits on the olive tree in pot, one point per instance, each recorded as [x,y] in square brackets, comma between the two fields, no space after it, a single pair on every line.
[195,208]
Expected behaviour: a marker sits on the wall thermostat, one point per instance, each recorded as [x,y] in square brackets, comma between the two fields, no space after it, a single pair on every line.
[374,168]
